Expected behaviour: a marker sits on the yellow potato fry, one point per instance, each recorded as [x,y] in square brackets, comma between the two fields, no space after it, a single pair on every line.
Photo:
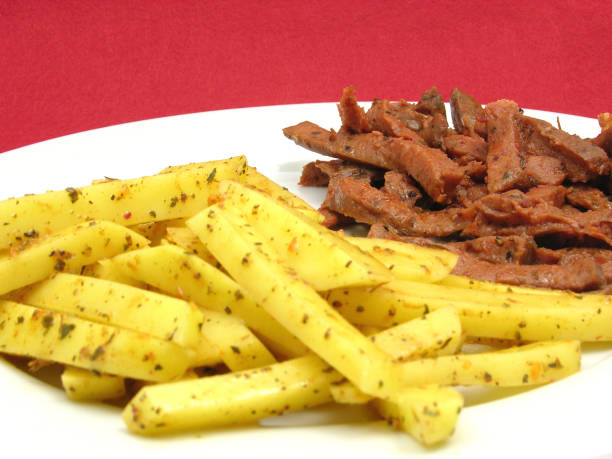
[297,241]
[453,280]
[156,231]
[87,386]
[253,177]
[219,165]
[434,334]
[536,363]
[184,238]
[531,364]
[238,347]
[564,296]
[518,319]
[346,393]
[429,414]
[294,303]
[263,183]
[120,305]
[505,298]
[106,269]
[127,202]
[67,250]
[63,338]
[409,261]
[230,399]
[172,270]
[204,354]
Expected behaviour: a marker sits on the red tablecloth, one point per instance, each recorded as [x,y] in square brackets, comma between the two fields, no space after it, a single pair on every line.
[72,65]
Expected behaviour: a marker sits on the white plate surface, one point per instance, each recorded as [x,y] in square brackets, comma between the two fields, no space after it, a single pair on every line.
[570,418]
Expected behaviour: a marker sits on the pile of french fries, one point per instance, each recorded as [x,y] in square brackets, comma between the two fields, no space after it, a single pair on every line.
[209,296]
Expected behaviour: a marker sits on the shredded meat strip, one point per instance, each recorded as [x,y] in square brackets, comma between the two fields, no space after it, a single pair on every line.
[430,167]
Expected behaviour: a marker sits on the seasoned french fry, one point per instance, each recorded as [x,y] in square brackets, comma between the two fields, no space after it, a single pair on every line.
[510,297]
[238,347]
[261,182]
[156,231]
[184,238]
[585,317]
[127,202]
[297,240]
[531,364]
[204,354]
[179,273]
[219,166]
[230,399]
[346,393]
[435,334]
[295,304]
[452,280]
[67,250]
[253,177]
[429,414]
[409,261]
[85,385]
[63,338]
[120,305]
[106,269]
[536,363]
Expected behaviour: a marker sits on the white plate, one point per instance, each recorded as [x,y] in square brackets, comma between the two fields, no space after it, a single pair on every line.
[566,419]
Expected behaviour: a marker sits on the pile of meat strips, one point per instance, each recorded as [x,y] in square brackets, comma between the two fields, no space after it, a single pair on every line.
[521,201]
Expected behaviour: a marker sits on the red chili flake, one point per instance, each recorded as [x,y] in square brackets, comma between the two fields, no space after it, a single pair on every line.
[127,215]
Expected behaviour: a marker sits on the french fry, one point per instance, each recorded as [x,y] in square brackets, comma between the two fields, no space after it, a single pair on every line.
[261,182]
[239,163]
[408,261]
[127,202]
[294,303]
[172,270]
[297,240]
[238,347]
[230,399]
[106,269]
[67,250]
[510,297]
[528,319]
[63,338]
[184,238]
[429,414]
[435,334]
[536,363]
[204,354]
[346,393]
[532,364]
[87,386]
[156,231]
[121,305]
[452,280]
[253,177]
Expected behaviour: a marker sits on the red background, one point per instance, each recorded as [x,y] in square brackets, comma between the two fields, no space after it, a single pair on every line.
[73,65]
